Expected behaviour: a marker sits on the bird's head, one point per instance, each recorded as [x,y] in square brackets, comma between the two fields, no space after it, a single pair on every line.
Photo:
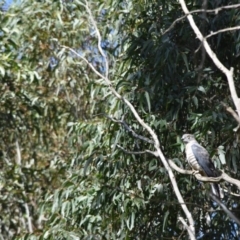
[186,138]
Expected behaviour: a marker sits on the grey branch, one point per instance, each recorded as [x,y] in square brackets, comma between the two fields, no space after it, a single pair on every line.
[215,10]
[136,153]
[228,72]
[225,209]
[222,30]
[129,129]
[231,111]
[191,234]
[223,176]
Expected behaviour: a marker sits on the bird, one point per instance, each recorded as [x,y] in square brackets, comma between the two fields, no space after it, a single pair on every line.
[199,160]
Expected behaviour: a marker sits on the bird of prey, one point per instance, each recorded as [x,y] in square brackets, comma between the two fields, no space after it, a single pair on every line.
[199,159]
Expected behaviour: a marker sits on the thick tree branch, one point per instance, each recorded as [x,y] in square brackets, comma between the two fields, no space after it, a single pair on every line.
[223,176]
[178,169]
[212,55]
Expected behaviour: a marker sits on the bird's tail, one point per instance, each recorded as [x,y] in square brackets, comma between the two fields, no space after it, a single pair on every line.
[216,190]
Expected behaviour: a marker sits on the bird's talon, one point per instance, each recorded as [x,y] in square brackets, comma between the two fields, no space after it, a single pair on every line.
[195,172]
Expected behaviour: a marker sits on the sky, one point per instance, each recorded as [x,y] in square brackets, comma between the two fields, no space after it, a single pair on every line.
[6,4]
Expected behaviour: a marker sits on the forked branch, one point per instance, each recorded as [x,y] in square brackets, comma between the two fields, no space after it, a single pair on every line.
[228,72]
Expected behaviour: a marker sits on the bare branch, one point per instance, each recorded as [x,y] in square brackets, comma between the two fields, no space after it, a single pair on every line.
[225,209]
[222,30]
[191,234]
[173,24]
[129,129]
[178,169]
[226,191]
[231,111]
[223,175]
[225,7]
[197,175]
[18,157]
[136,153]
[84,59]
[215,10]
[212,55]
[227,178]
[99,37]
[208,179]
[30,228]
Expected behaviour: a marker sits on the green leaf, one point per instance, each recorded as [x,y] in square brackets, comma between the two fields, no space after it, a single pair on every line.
[165,220]
[201,89]
[2,70]
[221,154]
[185,60]
[148,100]
[195,100]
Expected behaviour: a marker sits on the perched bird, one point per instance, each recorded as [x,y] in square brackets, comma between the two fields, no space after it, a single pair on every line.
[199,159]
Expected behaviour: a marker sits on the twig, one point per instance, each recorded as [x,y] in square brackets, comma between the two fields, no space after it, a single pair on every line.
[136,153]
[226,191]
[173,24]
[30,228]
[215,10]
[18,157]
[129,129]
[222,30]
[99,37]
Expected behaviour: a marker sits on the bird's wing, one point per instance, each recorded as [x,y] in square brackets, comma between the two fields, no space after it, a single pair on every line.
[204,160]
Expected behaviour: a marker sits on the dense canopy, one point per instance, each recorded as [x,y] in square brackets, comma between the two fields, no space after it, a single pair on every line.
[85,86]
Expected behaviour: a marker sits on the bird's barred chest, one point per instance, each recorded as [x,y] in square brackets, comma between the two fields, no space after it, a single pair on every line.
[192,161]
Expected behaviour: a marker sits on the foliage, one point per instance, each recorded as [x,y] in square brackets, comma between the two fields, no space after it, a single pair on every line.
[63,175]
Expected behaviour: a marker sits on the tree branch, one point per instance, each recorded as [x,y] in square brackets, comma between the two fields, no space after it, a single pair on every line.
[215,10]
[29,221]
[136,153]
[231,111]
[129,129]
[212,55]
[191,234]
[178,169]
[224,208]
[191,229]
[223,176]
[222,30]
